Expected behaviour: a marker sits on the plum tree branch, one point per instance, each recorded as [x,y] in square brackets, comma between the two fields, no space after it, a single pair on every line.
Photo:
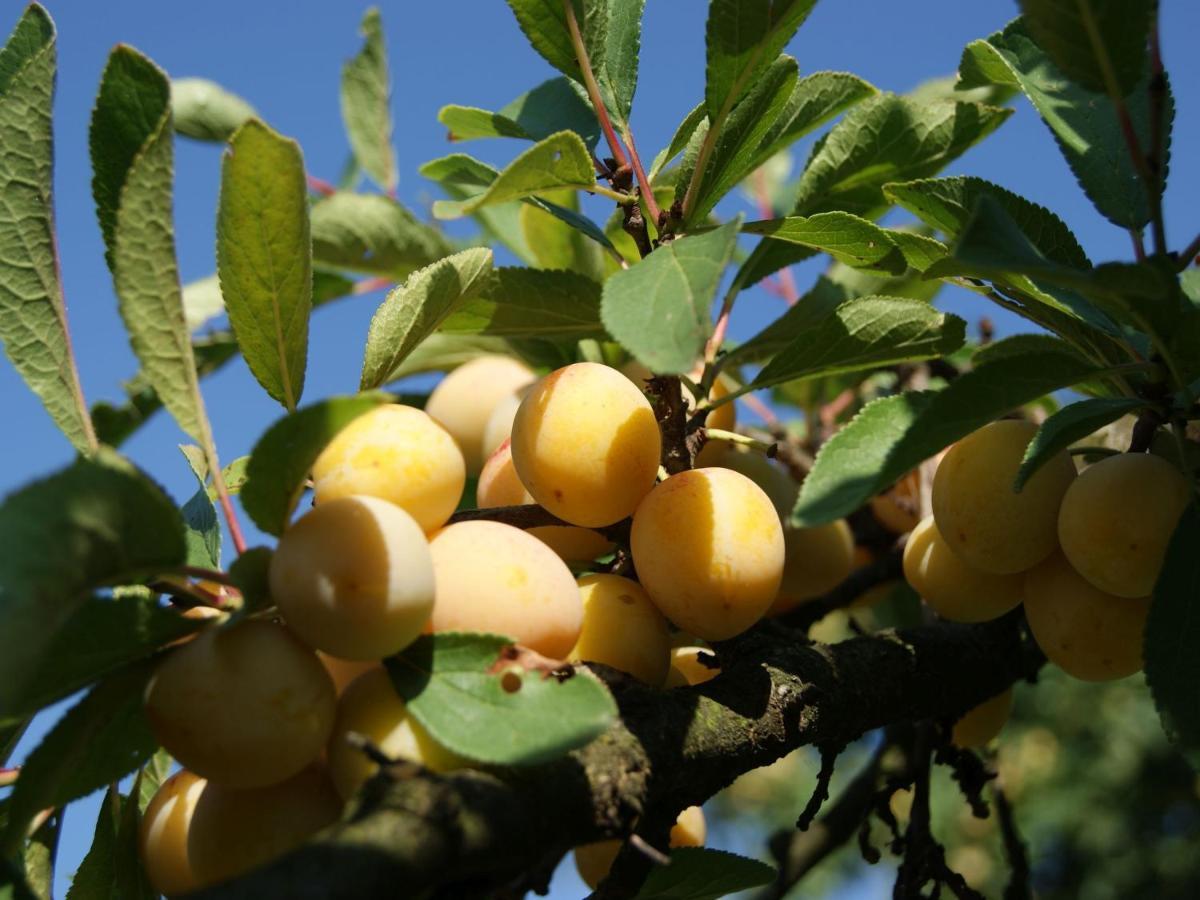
[470,833]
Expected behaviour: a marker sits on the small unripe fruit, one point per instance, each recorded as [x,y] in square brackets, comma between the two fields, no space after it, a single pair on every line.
[586,445]
[898,508]
[1117,520]
[371,707]
[235,831]
[688,669]
[163,834]
[466,398]
[496,578]
[395,453]
[622,628]
[775,482]
[500,486]
[709,550]
[980,724]
[955,590]
[594,860]
[1084,631]
[816,560]
[354,577]
[980,516]
[243,706]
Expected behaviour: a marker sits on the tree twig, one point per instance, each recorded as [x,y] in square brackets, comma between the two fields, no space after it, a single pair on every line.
[668,749]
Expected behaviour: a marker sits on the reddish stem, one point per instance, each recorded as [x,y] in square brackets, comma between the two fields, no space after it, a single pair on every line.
[593,89]
[643,181]
[320,186]
[367,285]
[231,519]
[1191,254]
[763,411]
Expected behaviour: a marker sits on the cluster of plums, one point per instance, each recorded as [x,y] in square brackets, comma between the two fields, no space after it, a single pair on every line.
[258,711]
[1081,550]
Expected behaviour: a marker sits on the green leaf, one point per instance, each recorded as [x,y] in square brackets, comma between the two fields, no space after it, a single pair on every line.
[416,309]
[33,315]
[1086,37]
[251,575]
[735,150]
[659,308]
[1084,123]
[202,301]
[947,204]
[153,774]
[205,111]
[444,352]
[132,158]
[815,100]
[888,138]
[698,873]
[372,234]
[366,104]
[817,304]
[847,238]
[679,141]
[264,257]
[95,879]
[98,741]
[131,880]
[1070,424]
[450,685]
[202,531]
[885,138]
[742,38]
[622,51]
[520,302]
[544,24]
[550,107]
[103,635]
[1172,634]
[39,858]
[283,456]
[10,736]
[561,160]
[864,333]
[97,522]
[891,436]
[993,246]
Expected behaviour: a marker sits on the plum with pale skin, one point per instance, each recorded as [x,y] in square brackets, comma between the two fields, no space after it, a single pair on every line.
[243,706]
[898,508]
[163,834]
[709,550]
[688,667]
[399,454]
[594,860]
[465,399]
[586,445]
[499,424]
[234,831]
[1117,520]
[496,578]
[500,486]
[371,707]
[775,482]
[354,578]
[978,725]
[982,519]
[816,561]
[954,590]
[1086,632]
[622,628]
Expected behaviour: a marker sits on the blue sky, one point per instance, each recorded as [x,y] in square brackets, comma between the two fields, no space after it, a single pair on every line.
[285,59]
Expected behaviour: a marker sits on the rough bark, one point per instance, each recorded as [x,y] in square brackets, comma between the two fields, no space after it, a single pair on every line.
[414,833]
